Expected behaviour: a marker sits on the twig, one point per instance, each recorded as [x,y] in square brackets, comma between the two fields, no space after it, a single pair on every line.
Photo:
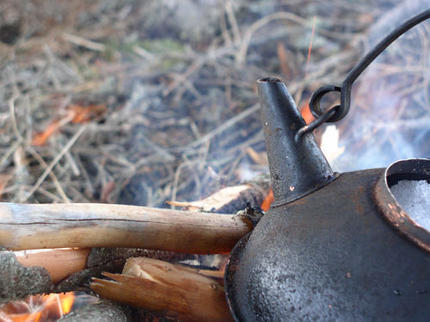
[225,33]
[13,118]
[241,54]
[195,66]
[55,161]
[51,174]
[246,40]
[231,122]
[10,151]
[176,180]
[79,41]
[232,18]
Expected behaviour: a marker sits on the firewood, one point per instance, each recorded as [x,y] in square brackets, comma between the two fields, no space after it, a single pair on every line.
[39,273]
[38,226]
[174,290]
[17,281]
[229,199]
[60,263]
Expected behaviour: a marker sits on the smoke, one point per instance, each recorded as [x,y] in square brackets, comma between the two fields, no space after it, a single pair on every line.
[390,111]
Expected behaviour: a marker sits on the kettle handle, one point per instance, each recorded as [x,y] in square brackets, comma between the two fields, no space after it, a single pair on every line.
[338,112]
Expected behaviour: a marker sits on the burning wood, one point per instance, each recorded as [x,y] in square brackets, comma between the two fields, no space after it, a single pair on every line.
[174,290]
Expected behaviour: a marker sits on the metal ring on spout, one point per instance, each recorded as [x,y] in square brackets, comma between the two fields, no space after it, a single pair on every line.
[325,117]
[315,101]
[345,88]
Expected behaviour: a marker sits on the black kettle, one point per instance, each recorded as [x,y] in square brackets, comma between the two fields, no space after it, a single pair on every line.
[332,246]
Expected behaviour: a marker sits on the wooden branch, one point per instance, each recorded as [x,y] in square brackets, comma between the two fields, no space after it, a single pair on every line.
[174,290]
[38,226]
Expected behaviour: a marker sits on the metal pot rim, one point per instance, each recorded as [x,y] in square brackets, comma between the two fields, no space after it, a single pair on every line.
[409,169]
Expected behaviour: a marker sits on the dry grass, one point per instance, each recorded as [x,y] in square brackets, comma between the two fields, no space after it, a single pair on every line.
[178,114]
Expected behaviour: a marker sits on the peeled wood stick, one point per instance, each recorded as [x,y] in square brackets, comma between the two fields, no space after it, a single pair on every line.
[60,263]
[173,290]
[38,226]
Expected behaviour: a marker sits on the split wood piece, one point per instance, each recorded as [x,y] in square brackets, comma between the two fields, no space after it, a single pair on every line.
[38,226]
[174,290]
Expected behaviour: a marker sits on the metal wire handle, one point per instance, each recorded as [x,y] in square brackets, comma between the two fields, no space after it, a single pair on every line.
[338,112]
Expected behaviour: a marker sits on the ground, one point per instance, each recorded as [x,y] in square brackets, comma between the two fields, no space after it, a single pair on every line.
[141,102]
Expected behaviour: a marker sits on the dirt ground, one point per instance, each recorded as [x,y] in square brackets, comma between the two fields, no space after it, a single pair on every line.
[140,102]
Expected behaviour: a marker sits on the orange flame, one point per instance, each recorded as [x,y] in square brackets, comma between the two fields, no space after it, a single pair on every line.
[267,202]
[306,113]
[38,308]
[67,303]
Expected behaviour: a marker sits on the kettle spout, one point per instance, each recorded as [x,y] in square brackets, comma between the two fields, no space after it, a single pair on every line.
[296,168]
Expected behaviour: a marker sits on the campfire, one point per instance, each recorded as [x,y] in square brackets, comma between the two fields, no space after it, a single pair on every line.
[134,170]
[39,308]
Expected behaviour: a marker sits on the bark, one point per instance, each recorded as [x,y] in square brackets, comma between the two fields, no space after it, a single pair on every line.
[17,281]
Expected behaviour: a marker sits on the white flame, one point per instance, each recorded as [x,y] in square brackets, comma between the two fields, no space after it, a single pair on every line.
[330,143]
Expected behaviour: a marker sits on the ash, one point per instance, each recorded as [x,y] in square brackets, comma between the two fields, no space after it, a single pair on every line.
[414,197]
